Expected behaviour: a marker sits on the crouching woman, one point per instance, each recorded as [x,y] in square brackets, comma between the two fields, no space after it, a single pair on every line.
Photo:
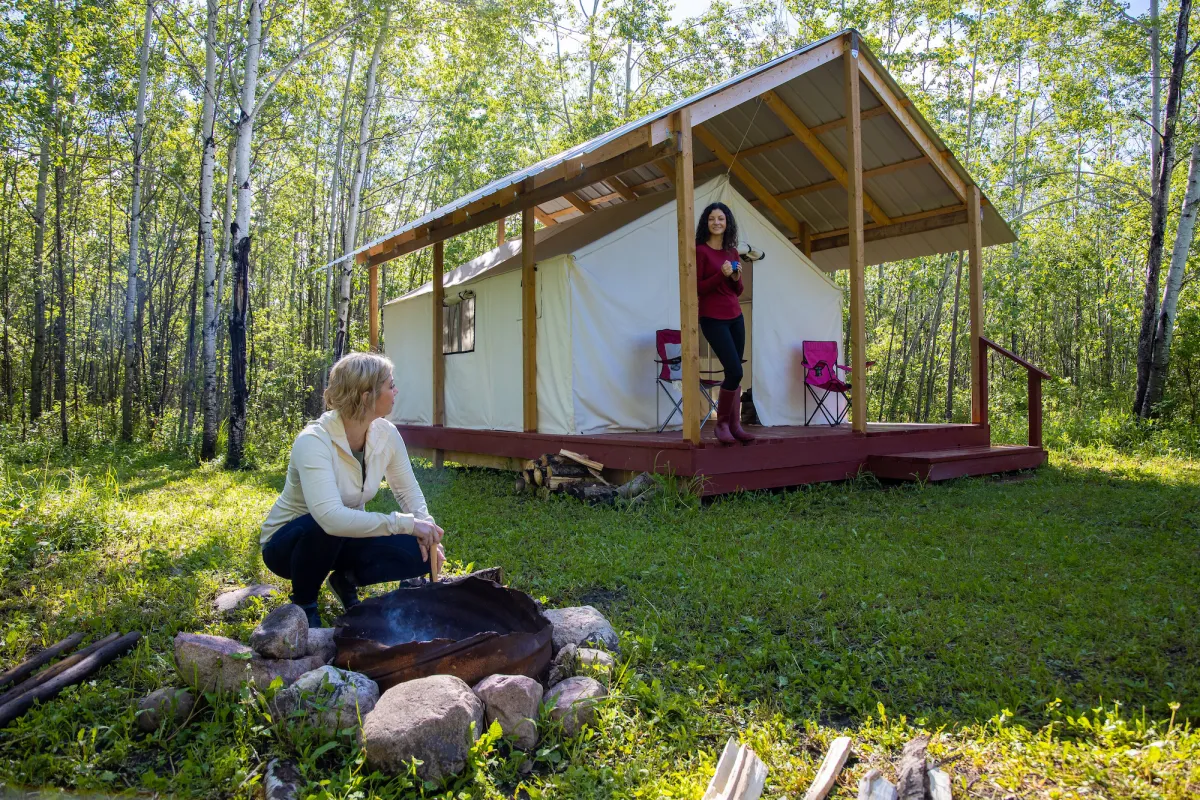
[319,527]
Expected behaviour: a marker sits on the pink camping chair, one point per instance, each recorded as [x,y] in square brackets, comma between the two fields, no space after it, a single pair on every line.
[669,344]
[821,380]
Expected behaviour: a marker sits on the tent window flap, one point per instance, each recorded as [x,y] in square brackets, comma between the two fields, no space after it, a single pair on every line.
[458,327]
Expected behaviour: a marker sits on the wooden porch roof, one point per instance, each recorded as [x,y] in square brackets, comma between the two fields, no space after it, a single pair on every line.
[779,132]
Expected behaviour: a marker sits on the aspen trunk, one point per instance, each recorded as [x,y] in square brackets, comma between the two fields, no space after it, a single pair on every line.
[1158,210]
[240,233]
[60,280]
[1164,329]
[346,267]
[38,358]
[135,222]
[208,157]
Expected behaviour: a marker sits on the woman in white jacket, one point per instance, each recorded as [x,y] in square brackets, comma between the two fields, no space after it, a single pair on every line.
[318,527]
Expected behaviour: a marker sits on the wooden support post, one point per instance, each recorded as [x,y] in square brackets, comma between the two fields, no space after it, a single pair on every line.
[805,240]
[1035,409]
[858,308]
[689,299]
[975,253]
[500,232]
[529,319]
[439,360]
[373,305]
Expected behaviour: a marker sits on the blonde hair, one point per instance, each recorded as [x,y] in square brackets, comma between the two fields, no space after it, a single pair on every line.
[353,375]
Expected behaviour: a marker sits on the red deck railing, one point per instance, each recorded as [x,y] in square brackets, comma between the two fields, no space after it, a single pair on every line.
[1036,374]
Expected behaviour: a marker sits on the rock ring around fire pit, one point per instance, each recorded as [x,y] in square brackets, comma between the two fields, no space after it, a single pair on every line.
[470,628]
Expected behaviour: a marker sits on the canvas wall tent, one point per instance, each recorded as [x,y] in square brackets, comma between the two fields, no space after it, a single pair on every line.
[605,283]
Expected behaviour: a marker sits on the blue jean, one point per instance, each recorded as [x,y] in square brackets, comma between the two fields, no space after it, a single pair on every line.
[304,553]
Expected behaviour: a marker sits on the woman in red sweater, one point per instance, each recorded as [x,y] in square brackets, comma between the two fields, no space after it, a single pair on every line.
[719,282]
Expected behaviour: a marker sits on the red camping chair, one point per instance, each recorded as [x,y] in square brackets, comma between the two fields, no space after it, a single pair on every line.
[820,376]
[669,344]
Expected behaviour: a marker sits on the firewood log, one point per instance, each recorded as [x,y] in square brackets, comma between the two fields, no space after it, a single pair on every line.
[539,477]
[557,483]
[568,470]
[77,673]
[592,493]
[24,670]
[520,485]
[912,781]
[636,486]
[580,458]
[49,673]
[835,759]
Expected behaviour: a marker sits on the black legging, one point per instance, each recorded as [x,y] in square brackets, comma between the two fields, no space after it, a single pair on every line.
[303,552]
[727,338]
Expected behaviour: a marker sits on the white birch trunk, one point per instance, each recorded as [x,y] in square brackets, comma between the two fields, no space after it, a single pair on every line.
[135,221]
[1164,330]
[333,248]
[346,267]
[208,446]
[240,235]
[39,295]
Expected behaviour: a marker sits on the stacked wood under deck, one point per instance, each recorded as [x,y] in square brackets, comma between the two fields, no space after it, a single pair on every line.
[783,456]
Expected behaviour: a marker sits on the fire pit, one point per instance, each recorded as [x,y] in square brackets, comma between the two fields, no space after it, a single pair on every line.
[470,628]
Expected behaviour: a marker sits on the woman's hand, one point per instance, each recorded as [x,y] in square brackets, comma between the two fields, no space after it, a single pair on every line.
[727,269]
[428,535]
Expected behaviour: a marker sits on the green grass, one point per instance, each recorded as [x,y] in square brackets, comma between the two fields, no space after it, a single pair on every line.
[1043,628]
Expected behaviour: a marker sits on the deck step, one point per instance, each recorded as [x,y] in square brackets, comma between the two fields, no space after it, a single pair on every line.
[942,465]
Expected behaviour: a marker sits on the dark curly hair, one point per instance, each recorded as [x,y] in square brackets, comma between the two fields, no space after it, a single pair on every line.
[730,239]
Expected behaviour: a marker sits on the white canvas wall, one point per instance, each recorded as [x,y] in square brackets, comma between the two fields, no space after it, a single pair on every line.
[483,387]
[599,307]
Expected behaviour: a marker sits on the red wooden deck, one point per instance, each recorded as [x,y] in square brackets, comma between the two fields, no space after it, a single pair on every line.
[783,456]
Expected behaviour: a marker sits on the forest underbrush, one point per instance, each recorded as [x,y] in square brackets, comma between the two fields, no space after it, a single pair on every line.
[1039,626]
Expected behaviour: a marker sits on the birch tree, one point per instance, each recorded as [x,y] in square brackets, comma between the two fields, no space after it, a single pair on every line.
[208,155]
[1170,297]
[135,222]
[346,267]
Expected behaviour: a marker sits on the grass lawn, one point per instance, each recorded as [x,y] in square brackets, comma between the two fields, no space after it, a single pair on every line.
[1043,628]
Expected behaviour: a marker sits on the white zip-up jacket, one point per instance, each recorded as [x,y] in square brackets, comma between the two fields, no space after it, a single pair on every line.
[325,479]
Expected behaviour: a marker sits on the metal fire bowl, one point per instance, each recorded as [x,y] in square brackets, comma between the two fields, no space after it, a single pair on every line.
[468,627]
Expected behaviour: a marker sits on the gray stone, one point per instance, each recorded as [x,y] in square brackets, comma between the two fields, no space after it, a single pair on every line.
[512,700]
[428,719]
[214,663]
[573,703]
[321,644]
[164,704]
[229,602]
[581,625]
[328,698]
[282,634]
[595,661]
[283,780]
[564,665]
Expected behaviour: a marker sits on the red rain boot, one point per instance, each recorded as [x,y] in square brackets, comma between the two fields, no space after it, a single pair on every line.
[735,418]
[725,401]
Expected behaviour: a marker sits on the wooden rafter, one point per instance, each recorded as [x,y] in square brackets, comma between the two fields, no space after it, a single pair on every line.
[833,184]
[752,183]
[900,111]
[543,217]
[818,149]
[920,222]
[522,199]
[622,188]
[583,205]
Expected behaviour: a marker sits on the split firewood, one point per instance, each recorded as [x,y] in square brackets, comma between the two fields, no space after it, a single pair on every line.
[544,460]
[595,473]
[539,477]
[579,458]
[55,669]
[25,669]
[835,759]
[568,470]
[912,782]
[740,774]
[530,465]
[77,673]
[556,483]
[874,786]
[939,784]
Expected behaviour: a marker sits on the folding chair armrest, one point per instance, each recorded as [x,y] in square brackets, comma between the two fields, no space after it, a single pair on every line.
[846,368]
